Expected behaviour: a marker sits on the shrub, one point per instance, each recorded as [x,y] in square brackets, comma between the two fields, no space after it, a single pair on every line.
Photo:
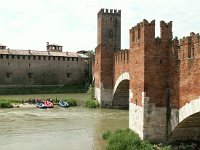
[71,101]
[5,105]
[127,140]
[91,103]
[106,135]
[90,92]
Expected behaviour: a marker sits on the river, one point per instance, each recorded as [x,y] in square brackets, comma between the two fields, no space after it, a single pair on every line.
[74,128]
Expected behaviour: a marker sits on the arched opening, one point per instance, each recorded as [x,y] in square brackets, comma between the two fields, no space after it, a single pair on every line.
[121,95]
[188,129]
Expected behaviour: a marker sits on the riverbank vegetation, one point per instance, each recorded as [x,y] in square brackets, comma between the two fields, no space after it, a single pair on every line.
[8,103]
[71,101]
[91,103]
[44,89]
[126,139]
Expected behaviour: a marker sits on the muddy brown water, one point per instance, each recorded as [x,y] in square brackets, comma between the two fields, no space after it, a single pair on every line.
[74,128]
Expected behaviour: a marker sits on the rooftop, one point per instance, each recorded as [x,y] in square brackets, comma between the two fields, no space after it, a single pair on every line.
[41,53]
[54,44]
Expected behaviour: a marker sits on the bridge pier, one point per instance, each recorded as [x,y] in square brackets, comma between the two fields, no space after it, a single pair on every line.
[148,121]
[104,96]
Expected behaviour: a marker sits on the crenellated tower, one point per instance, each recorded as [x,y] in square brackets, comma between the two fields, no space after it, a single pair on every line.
[108,42]
[109,28]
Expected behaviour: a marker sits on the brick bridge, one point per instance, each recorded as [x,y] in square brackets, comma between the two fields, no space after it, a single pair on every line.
[157,78]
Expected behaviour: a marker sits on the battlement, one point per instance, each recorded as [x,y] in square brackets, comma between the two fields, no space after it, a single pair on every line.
[122,56]
[142,30]
[166,25]
[146,31]
[189,46]
[109,11]
[142,24]
[192,38]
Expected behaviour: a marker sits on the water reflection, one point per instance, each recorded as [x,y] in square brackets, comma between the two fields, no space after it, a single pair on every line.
[58,128]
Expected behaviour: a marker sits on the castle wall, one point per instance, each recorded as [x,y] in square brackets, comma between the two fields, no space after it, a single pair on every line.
[25,71]
[189,53]
[121,63]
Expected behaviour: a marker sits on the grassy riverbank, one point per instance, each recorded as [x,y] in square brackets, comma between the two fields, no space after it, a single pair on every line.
[43,90]
[72,98]
[126,139]
[9,103]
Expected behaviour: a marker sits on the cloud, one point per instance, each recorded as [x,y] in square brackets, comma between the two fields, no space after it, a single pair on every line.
[29,24]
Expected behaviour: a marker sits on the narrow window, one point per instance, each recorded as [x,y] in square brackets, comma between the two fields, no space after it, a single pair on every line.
[72,58]
[68,75]
[23,56]
[29,64]
[33,57]
[63,58]
[160,61]
[67,58]
[7,56]
[8,64]
[110,34]
[13,56]
[44,57]
[30,75]
[58,58]
[18,57]
[29,57]
[138,33]
[39,57]
[8,74]
[77,59]
[133,36]
[54,57]
[1,56]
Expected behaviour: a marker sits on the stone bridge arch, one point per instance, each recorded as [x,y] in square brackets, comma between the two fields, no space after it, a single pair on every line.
[121,92]
[186,123]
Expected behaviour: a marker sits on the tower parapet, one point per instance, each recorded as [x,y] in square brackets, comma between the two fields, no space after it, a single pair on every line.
[109,29]
[143,30]
[166,30]
[109,11]
[144,33]
[189,46]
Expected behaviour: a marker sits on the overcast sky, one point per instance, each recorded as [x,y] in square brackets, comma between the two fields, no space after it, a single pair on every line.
[29,24]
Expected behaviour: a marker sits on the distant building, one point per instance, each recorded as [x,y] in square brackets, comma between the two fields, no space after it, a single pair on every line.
[50,67]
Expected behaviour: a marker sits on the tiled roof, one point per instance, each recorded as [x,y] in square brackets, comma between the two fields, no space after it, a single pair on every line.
[42,53]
